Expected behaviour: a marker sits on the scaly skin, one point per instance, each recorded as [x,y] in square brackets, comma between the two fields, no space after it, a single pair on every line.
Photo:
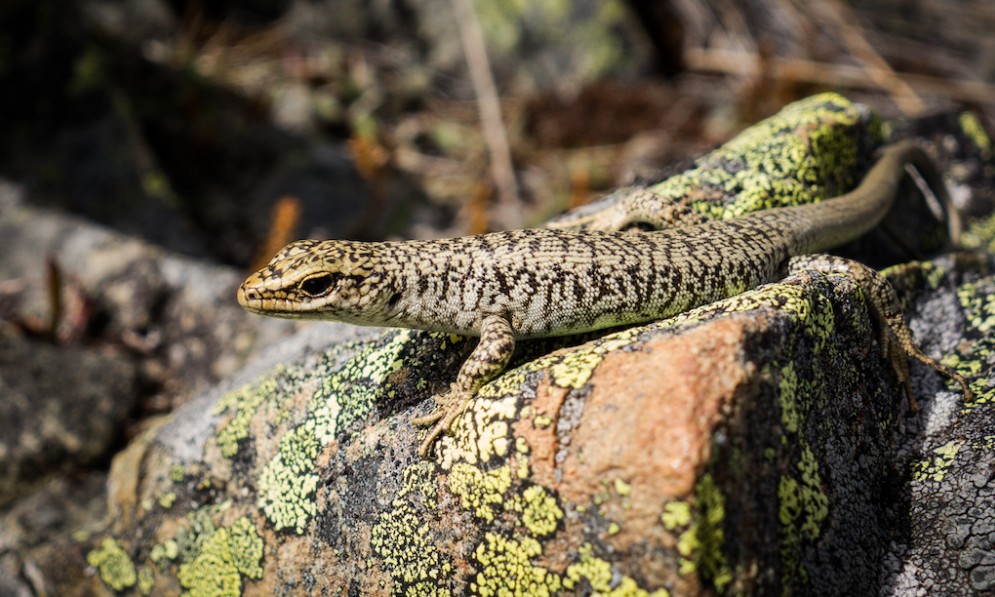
[541,282]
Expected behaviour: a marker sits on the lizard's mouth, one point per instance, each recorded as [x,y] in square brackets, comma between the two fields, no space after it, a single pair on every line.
[253,301]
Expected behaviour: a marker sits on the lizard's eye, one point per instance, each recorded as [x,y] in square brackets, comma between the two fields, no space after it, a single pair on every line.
[316,286]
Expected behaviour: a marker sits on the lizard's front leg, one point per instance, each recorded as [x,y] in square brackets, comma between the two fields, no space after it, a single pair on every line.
[488,359]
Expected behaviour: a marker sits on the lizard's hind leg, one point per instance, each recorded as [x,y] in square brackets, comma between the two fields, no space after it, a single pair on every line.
[895,337]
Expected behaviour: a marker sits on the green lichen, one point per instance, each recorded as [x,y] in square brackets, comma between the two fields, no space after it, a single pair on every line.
[806,152]
[540,512]
[161,552]
[402,540]
[213,571]
[166,500]
[975,131]
[287,483]
[146,580]
[676,514]
[815,502]
[803,506]
[401,537]
[247,548]
[225,556]
[700,546]
[177,473]
[979,307]
[935,469]
[599,575]
[506,568]
[980,234]
[199,525]
[478,491]
[113,564]
[243,402]
[788,393]
[976,360]
[349,394]
[482,434]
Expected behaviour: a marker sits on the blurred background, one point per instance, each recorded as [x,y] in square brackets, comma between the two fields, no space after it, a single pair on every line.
[223,129]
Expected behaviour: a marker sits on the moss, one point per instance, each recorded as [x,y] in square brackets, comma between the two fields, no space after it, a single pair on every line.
[113,564]
[935,469]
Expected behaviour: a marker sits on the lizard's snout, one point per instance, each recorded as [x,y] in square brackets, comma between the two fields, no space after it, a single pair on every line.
[243,296]
[248,296]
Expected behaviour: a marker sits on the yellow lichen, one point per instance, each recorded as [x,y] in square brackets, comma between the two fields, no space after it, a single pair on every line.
[676,514]
[975,131]
[287,482]
[224,557]
[480,492]
[935,469]
[115,567]
[506,568]
[540,512]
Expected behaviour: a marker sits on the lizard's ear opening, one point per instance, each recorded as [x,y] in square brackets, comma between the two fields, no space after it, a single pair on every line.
[317,285]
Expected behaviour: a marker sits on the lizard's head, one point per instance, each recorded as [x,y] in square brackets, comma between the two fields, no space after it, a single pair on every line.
[309,279]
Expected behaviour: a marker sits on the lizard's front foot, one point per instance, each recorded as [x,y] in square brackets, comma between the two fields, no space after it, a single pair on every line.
[451,405]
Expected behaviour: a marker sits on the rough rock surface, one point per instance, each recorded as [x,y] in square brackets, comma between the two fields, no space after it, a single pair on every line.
[52,423]
[756,445]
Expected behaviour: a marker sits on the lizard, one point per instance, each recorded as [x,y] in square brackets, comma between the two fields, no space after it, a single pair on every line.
[541,282]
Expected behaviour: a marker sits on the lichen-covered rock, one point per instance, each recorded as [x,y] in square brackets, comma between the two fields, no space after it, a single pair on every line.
[746,446]
[758,445]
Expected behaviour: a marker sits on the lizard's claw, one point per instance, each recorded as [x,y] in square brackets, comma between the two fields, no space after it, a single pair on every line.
[451,405]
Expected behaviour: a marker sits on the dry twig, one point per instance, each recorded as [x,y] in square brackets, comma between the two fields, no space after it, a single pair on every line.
[489,106]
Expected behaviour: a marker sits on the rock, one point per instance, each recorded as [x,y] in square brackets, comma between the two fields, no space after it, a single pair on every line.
[757,445]
[61,408]
[177,314]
